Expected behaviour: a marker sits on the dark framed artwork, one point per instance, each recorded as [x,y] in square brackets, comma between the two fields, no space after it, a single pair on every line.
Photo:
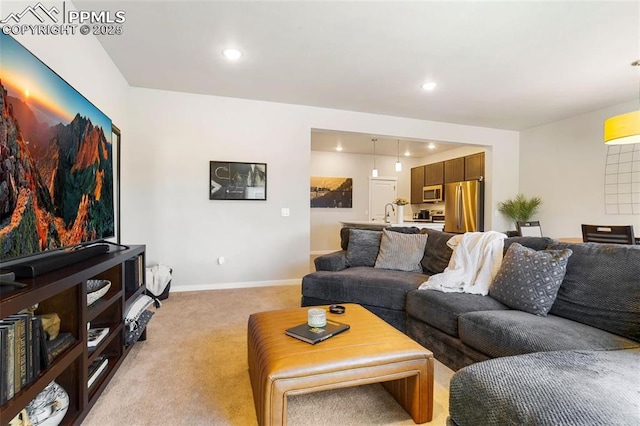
[230,180]
[331,192]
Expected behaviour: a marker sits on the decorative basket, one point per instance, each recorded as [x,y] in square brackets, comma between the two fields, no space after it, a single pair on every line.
[96,289]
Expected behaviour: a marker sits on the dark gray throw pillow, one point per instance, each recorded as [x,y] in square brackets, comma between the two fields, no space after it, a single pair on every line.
[536,243]
[528,280]
[436,253]
[363,247]
[344,233]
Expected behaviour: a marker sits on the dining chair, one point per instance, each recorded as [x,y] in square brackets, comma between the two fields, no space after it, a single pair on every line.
[615,234]
[529,229]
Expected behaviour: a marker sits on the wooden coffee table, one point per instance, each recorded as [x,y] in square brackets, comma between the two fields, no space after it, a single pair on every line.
[372,351]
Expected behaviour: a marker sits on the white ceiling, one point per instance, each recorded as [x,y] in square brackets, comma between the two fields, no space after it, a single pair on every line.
[359,143]
[510,65]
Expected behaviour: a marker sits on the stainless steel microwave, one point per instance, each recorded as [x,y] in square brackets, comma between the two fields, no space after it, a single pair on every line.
[432,194]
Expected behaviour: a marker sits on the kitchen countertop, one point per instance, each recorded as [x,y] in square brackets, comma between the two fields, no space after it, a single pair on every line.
[380,225]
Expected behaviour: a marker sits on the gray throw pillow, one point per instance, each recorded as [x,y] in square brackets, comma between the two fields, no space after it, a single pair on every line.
[363,247]
[528,280]
[401,252]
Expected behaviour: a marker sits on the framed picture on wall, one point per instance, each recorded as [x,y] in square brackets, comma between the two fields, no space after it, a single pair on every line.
[230,180]
[331,192]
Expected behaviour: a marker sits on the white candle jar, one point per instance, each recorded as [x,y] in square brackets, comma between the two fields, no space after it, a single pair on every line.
[317,317]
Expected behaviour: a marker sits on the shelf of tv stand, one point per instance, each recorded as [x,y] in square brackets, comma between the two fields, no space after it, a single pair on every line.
[22,398]
[64,291]
[100,305]
[93,353]
[131,296]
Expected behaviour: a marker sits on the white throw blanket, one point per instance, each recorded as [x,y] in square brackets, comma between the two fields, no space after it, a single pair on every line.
[475,261]
[158,277]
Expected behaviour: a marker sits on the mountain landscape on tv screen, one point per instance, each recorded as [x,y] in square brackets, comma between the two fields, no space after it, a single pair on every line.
[56,181]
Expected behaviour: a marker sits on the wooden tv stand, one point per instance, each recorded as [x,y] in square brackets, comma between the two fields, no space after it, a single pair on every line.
[63,291]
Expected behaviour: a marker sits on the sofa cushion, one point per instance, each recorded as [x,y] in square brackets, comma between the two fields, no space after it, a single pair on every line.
[529,280]
[441,310]
[505,333]
[362,284]
[401,252]
[549,388]
[536,243]
[344,232]
[436,253]
[335,261]
[404,229]
[601,287]
[363,247]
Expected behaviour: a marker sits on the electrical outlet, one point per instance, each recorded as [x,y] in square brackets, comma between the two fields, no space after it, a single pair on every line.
[285,212]
[221,260]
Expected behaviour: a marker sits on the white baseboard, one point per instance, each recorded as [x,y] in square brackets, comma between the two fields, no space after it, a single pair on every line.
[222,286]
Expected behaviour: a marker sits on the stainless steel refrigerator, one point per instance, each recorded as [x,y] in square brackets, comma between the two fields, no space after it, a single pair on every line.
[464,206]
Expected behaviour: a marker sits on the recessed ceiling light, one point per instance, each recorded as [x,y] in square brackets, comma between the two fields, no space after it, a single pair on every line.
[431,145]
[407,153]
[429,85]
[339,148]
[232,54]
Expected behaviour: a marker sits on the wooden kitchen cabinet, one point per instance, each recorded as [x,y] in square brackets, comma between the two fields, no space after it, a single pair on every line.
[417,183]
[434,174]
[474,166]
[454,170]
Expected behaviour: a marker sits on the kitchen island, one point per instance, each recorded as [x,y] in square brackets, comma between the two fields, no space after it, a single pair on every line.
[380,225]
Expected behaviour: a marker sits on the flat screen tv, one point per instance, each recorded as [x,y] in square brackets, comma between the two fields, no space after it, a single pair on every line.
[56,161]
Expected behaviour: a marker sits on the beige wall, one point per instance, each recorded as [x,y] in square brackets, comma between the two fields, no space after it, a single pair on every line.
[564,164]
[176,134]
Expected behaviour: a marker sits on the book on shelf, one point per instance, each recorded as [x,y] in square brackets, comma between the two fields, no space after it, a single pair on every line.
[26,349]
[3,372]
[315,335]
[140,270]
[97,367]
[36,328]
[134,270]
[96,335]
[58,345]
[42,337]
[19,353]
[8,353]
[4,365]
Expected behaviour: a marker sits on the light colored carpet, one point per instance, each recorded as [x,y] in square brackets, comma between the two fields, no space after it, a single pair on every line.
[193,370]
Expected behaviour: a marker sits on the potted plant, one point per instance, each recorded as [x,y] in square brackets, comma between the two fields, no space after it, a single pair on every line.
[519,208]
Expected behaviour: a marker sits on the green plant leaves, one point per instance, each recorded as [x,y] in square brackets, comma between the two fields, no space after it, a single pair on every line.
[519,208]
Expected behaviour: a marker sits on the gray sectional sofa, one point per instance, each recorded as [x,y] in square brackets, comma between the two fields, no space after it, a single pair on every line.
[578,363]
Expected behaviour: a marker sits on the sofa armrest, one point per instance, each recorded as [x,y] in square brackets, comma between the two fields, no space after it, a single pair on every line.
[336,261]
